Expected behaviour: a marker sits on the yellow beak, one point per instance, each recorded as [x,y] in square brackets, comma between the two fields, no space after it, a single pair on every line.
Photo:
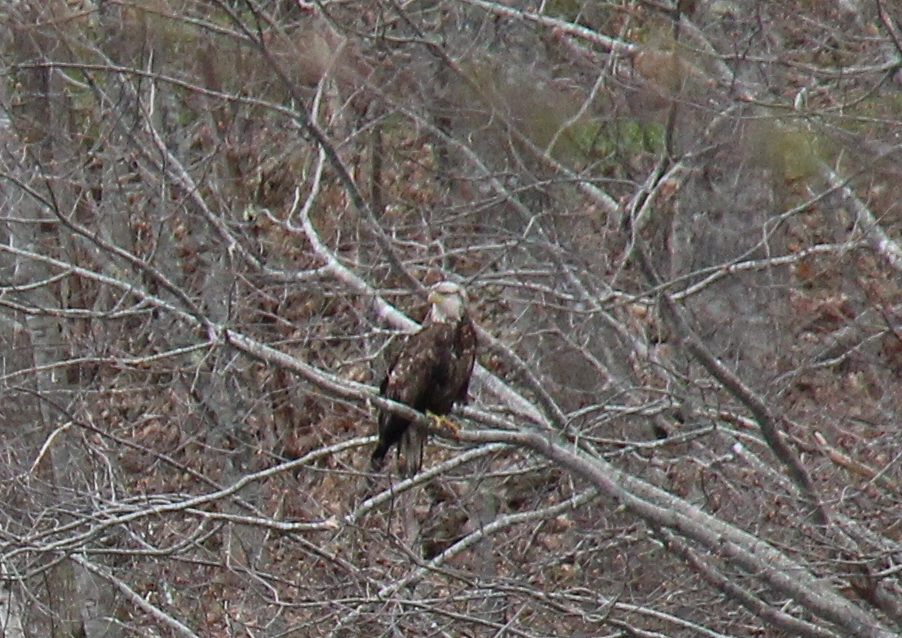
[434,297]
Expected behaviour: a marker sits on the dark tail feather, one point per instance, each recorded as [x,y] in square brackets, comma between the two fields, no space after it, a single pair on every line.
[411,450]
[378,457]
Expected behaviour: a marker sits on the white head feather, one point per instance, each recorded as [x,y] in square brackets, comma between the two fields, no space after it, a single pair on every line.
[449,302]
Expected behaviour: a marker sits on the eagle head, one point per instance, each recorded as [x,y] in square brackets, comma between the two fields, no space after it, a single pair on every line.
[448,302]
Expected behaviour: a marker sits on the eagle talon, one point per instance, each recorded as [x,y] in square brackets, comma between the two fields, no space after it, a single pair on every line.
[445,424]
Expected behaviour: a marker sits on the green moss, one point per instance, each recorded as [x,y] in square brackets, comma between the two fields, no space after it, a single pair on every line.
[596,139]
[566,9]
[788,149]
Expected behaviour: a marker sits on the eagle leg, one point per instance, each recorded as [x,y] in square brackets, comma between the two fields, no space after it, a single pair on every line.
[443,423]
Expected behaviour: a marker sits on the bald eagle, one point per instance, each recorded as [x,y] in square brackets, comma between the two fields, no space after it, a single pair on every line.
[430,373]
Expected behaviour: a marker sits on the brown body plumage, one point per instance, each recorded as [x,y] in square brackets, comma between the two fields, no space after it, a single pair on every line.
[430,374]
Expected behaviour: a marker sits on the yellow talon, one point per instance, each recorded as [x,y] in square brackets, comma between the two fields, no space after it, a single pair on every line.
[440,422]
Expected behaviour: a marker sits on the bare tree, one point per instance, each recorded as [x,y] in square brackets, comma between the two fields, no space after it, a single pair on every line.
[677,223]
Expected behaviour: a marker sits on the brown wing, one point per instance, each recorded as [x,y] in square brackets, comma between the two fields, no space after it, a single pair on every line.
[410,374]
[465,350]
[408,380]
[456,348]
[430,372]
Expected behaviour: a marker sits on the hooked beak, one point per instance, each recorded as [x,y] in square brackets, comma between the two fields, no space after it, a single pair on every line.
[434,297]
